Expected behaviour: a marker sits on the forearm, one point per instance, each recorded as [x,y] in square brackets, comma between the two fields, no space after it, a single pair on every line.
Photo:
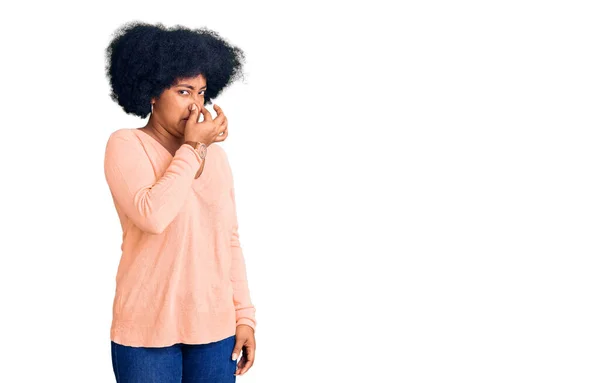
[245,312]
[150,203]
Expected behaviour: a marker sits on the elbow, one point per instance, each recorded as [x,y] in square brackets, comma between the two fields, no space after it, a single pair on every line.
[149,218]
[155,229]
[151,226]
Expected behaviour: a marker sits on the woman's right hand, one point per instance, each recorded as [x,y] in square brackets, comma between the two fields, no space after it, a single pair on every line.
[207,131]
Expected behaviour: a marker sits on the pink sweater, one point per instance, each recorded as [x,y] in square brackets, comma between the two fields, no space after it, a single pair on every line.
[181,277]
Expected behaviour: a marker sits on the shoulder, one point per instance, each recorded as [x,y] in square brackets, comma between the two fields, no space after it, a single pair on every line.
[217,150]
[215,147]
[123,133]
[122,142]
[119,136]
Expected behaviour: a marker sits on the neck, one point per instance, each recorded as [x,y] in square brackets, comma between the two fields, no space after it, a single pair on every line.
[166,138]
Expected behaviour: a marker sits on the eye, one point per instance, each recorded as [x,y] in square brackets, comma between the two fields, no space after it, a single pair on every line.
[183,90]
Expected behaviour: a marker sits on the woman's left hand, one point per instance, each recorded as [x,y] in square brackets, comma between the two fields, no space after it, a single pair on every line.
[225,124]
[244,340]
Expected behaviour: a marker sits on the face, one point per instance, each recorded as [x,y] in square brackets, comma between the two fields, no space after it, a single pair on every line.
[171,109]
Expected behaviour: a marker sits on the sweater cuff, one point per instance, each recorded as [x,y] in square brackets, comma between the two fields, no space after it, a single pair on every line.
[196,154]
[246,321]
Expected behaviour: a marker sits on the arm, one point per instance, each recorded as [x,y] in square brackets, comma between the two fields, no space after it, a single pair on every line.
[150,203]
[244,309]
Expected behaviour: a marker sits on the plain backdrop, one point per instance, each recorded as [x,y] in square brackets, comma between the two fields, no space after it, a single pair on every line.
[417,186]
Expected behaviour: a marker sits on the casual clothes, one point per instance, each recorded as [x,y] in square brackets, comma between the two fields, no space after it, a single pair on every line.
[182,276]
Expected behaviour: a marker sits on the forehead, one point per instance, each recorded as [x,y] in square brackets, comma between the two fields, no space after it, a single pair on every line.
[197,81]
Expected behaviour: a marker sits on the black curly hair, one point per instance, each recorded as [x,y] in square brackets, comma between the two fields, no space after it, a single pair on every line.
[142,60]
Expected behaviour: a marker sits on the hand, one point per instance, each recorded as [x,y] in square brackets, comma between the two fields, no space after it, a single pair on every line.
[244,340]
[224,124]
[209,130]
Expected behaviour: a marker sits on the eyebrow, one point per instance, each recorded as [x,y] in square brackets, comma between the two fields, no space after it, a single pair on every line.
[189,86]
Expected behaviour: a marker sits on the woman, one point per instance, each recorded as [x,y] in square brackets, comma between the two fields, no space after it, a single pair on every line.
[182,310]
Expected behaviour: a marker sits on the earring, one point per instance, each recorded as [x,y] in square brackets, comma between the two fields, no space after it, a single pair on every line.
[151,108]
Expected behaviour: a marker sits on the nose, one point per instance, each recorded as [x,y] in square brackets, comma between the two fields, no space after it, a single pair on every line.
[193,101]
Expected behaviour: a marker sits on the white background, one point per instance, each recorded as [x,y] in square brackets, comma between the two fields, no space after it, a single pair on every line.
[417,187]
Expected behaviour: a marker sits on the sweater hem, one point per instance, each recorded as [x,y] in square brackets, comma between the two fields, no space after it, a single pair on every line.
[123,341]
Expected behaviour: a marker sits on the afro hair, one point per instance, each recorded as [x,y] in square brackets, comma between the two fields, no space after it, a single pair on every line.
[142,60]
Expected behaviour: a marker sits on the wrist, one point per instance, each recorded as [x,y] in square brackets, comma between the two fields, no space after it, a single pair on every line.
[199,170]
[199,147]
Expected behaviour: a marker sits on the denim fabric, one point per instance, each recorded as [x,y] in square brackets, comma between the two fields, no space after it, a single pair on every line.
[179,363]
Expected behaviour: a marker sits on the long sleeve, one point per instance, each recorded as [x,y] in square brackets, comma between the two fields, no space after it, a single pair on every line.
[244,309]
[150,203]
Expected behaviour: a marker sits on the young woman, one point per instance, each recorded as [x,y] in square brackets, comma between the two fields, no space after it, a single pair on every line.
[182,310]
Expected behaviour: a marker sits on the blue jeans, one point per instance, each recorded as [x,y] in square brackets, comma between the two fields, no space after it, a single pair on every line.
[179,363]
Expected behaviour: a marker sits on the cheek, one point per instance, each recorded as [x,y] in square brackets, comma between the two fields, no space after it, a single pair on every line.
[176,105]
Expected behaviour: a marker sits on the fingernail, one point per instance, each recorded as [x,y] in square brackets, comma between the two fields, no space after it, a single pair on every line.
[234,356]
[194,107]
